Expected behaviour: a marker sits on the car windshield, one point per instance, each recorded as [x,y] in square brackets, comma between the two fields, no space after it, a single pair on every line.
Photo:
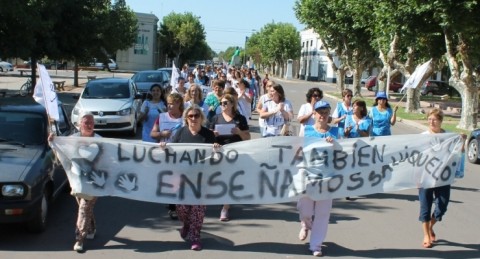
[148,77]
[22,128]
[106,90]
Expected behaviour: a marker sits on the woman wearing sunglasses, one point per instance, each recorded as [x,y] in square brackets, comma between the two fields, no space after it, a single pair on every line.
[192,131]
[305,114]
[229,127]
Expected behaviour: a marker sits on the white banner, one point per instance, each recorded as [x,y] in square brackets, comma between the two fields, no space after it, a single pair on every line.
[175,76]
[260,171]
[44,93]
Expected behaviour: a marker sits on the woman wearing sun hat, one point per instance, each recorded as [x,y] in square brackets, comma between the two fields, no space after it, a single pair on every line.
[382,116]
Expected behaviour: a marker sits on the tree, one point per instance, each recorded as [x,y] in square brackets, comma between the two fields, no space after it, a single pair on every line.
[278,43]
[179,33]
[350,41]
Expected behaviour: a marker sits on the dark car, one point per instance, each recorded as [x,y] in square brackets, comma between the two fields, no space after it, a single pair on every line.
[29,178]
[145,79]
[472,148]
[435,87]
[371,84]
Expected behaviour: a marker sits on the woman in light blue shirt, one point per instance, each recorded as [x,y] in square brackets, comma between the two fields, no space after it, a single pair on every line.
[382,116]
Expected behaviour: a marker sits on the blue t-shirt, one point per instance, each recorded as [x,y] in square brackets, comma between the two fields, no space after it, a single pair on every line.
[363,125]
[380,121]
[310,131]
[341,110]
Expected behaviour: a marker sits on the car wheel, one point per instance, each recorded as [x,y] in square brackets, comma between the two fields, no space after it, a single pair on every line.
[472,152]
[39,222]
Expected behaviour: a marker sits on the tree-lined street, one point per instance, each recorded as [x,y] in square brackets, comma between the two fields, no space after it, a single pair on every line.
[374,226]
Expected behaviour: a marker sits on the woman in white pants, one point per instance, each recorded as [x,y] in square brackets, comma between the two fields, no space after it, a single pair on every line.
[314,215]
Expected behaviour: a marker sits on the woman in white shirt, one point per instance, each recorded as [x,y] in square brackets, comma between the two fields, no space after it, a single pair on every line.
[276,112]
[306,112]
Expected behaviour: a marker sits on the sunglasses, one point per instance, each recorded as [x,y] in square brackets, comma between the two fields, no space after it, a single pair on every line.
[191,116]
[315,95]
[224,103]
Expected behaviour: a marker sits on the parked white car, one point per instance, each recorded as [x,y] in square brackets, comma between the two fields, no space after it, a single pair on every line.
[114,102]
[5,66]
[111,65]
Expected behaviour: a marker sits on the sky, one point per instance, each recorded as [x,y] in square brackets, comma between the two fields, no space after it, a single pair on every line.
[226,22]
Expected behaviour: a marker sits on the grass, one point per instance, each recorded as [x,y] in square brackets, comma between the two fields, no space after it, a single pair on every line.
[449,123]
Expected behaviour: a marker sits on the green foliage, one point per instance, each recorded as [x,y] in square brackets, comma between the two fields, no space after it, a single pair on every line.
[180,33]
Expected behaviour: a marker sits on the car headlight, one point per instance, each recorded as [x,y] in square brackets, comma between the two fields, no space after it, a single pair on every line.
[125,112]
[13,190]
[76,111]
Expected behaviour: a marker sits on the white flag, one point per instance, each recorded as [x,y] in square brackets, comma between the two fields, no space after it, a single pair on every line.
[45,94]
[415,78]
[175,76]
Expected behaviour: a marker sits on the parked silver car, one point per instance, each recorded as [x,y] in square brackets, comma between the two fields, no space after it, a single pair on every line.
[114,102]
[5,66]
[145,79]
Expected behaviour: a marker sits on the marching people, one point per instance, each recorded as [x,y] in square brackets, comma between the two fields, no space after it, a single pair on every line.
[229,127]
[358,124]
[276,112]
[165,126]
[150,110]
[440,196]
[342,110]
[382,116]
[195,96]
[245,97]
[263,99]
[306,113]
[314,215]
[180,88]
[213,100]
[193,131]
[85,227]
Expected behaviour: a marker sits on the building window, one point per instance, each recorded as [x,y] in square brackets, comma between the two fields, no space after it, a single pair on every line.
[141,45]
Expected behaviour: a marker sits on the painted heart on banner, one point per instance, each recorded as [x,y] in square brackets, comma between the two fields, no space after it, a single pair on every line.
[89,152]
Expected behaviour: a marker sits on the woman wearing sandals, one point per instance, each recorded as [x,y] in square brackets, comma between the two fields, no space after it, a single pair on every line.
[439,196]
[230,119]
[314,215]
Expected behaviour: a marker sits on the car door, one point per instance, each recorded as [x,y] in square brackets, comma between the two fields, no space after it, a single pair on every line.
[62,127]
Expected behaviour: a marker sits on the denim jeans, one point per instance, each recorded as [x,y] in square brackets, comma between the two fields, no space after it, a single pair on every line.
[438,195]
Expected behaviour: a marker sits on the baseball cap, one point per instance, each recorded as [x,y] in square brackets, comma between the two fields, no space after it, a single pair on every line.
[381,95]
[321,105]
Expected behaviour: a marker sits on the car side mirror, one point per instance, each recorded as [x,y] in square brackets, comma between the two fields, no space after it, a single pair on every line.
[76,96]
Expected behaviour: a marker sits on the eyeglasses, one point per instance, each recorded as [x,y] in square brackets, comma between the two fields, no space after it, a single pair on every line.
[349,95]
[315,95]
[224,103]
[191,116]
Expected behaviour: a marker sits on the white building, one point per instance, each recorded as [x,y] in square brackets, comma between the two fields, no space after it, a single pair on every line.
[314,64]
[143,54]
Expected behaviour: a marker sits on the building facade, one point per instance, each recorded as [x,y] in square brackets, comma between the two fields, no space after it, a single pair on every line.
[143,55]
[314,63]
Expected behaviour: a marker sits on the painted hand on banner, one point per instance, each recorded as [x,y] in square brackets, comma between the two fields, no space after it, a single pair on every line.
[98,179]
[126,183]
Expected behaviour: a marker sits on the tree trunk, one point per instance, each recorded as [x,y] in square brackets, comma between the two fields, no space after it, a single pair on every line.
[340,79]
[75,73]
[460,64]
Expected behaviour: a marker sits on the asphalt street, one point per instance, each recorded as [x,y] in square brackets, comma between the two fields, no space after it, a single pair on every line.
[383,225]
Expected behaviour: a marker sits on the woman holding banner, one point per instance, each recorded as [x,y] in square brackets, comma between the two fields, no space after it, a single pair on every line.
[165,126]
[314,215]
[193,131]
[382,116]
[85,225]
[229,127]
[439,196]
